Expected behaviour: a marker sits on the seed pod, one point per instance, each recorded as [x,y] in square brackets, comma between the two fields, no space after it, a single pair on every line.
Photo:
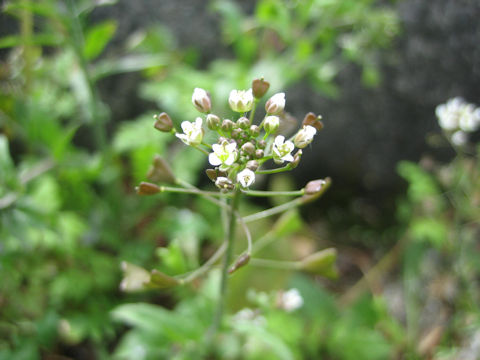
[260,87]
[146,188]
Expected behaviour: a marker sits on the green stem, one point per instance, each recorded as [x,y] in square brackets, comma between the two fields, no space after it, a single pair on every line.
[273,193]
[274,171]
[202,150]
[274,210]
[252,113]
[206,266]
[192,191]
[275,264]
[226,261]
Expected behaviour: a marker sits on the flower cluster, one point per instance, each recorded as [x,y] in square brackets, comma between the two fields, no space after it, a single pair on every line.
[243,147]
[457,118]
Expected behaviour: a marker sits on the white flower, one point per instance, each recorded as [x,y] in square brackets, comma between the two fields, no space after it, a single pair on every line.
[304,136]
[249,315]
[201,100]
[224,183]
[459,138]
[246,177]
[456,114]
[290,300]
[192,132]
[271,123]
[241,100]
[282,150]
[223,154]
[275,104]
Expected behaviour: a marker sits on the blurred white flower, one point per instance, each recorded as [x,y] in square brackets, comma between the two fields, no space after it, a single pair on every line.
[201,100]
[290,300]
[275,104]
[247,315]
[241,100]
[271,124]
[192,132]
[456,114]
[459,138]
[246,177]
[223,154]
[224,183]
[304,136]
[282,149]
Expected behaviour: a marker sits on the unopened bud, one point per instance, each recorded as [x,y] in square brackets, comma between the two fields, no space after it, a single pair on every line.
[253,165]
[260,87]
[314,186]
[248,148]
[227,125]
[261,144]
[146,188]
[313,120]
[275,104]
[271,123]
[224,184]
[160,171]
[259,154]
[243,123]
[201,100]
[213,122]
[240,262]
[296,159]
[163,122]
[254,130]
[236,133]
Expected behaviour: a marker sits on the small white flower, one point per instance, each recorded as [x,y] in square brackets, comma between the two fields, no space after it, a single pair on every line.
[223,154]
[249,315]
[290,300]
[192,132]
[241,100]
[304,136]
[459,138]
[457,114]
[271,123]
[246,177]
[282,150]
[201,100]
[275,104]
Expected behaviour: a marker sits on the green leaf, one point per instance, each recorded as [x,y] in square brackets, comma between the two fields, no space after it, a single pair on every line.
[97,37]
[36,39]
[435,231]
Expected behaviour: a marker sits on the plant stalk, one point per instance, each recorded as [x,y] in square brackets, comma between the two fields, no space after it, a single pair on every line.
[230,235]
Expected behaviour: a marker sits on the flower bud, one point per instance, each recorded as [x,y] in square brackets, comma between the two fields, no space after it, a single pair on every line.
[271,124]
[254,130]
[160,171]
[275,104]
[304,136]
[260,87]
[248,148]
[163,122]
[201,100]
[314,186]
[313,120]
[227,125]
[261,144]
[259,154]
[296,159]
[243,123]
[146,188]
[224,184]
[253,165]
[240,262]
[241,100]
[213,122]
[236,133]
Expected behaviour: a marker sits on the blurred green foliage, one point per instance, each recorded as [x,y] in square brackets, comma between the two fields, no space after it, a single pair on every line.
[68,214]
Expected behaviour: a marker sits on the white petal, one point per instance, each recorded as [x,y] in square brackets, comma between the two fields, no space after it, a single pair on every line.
[213,159]
[279,140]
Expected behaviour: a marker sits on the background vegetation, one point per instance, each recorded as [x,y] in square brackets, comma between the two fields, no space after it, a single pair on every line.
[69,216]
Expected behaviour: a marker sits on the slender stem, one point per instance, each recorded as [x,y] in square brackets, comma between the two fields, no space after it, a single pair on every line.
[192,191]
[202,150]
[273,211]
[207,145]
[206,266]
[273,193]
[226,261]
[274,171]
[252,113]
[275,264]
